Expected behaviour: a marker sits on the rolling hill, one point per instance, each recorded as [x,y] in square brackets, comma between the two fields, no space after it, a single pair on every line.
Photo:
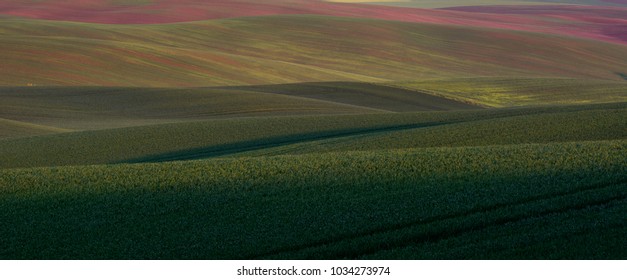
[287,49]
[480,184]
[29,111]
[601,22]
[598,22]
[282,41]
[495,202]
[90,108]
[225,137]
[310,129]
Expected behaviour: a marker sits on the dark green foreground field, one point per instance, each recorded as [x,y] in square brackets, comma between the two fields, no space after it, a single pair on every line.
[517,183]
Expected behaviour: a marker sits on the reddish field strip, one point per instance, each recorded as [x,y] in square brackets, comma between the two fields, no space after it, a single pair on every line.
[605,23]
[158,11]
[599,23]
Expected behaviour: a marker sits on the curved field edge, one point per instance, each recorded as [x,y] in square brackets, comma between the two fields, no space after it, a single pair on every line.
[30,111]
[193,140]
[336,205]
[579,126]
[91,108]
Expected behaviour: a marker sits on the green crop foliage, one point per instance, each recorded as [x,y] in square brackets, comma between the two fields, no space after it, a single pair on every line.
[421,185]
[407,203]
[588,125]
[205,139]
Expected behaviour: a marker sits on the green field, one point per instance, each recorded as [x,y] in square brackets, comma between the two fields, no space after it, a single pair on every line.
[496,184]
[30,111]
[100,108]
[11,129]
[83,108]
[201,139]
[412,203]
[305,132]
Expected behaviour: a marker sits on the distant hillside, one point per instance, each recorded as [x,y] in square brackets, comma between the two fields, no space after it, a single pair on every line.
[601,23]
[287,49]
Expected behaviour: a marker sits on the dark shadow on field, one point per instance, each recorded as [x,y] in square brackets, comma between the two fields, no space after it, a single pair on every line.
[484,218]
[260,144]
[253,223]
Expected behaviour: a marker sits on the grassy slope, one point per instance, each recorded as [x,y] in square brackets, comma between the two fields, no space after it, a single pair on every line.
[106,146]
[89,108]
[145,11]
[393,199]
[394,99]
[525,200]
[575,126]
[604,23]
[102,107]
[231,136]
[558,19]
[414,202]
[284,49]
[593,22]
[13,129]
[507,92]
